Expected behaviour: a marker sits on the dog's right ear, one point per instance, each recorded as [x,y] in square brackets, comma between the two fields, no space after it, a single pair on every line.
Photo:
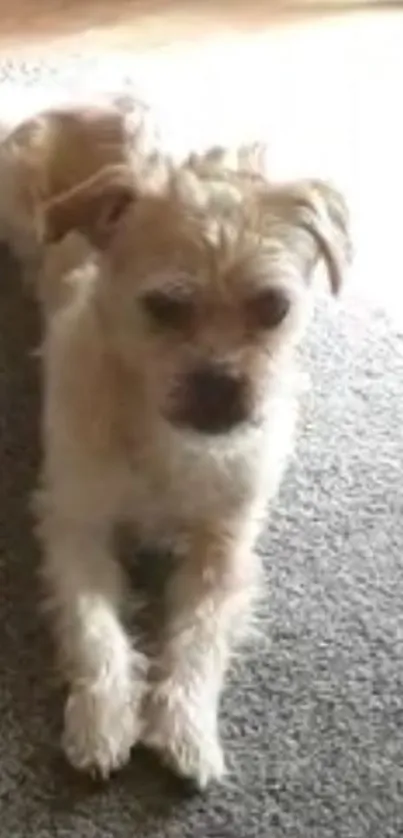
[94,207]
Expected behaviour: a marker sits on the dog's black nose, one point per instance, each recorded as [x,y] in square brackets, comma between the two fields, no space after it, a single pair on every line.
[214,399]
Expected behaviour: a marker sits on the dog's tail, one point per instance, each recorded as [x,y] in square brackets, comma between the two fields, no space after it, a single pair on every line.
[5,130]
[248,160]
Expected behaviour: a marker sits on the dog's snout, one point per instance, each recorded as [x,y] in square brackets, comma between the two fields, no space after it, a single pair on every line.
[214,384]
[214,399]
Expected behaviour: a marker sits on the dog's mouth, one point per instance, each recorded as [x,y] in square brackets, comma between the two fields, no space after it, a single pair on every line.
[212,425]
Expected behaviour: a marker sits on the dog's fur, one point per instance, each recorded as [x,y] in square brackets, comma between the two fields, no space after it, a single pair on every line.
[170,404]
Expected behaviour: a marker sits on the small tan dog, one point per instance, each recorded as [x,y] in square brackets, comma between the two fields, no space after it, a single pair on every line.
[170,403]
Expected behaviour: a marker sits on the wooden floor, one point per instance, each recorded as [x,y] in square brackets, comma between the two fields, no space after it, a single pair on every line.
[156,21]
[144,21]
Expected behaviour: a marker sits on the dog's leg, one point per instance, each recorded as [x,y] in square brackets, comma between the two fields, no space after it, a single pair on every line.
[207,599]
[105,675]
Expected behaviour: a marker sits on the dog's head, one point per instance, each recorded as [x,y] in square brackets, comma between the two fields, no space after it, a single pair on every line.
[204,282]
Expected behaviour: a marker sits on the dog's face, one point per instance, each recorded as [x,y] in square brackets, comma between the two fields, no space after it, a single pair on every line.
[202,289]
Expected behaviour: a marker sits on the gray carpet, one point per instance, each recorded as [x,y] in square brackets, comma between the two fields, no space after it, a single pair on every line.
[313,717]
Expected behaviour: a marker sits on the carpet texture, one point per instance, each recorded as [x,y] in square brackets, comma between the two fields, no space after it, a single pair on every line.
[313,717]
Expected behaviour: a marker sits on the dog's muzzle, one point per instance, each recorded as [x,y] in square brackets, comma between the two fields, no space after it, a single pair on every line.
[211,400]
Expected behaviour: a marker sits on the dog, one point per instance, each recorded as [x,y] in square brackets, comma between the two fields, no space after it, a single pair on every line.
[170,404]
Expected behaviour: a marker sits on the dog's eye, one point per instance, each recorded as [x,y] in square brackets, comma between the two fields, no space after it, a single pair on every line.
[268,309]
[168,311]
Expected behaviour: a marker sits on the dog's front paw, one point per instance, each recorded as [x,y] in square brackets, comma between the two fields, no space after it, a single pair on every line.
[101,726]
[184,734]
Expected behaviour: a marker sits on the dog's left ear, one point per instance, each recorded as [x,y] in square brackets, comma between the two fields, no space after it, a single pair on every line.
[93,208]
[313,222]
